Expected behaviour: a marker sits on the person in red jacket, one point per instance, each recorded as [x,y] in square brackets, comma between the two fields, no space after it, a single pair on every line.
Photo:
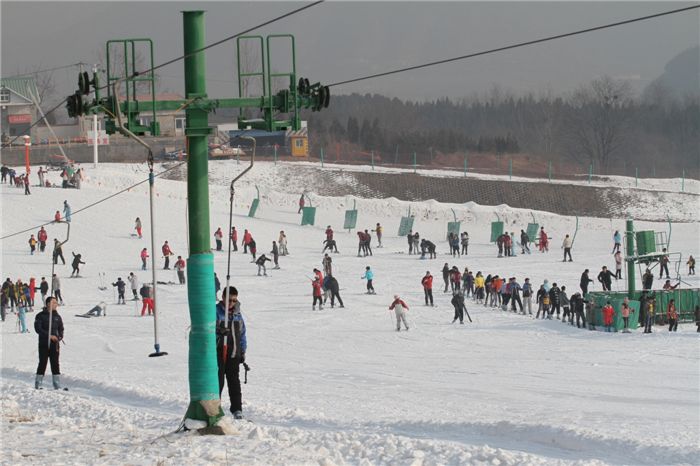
[180,267]
[301,203]
[144,257]
[329,233]
[247,238]
[399,307]
[57,216]
[234,238]
[42,236]
[608,314]
[544,241]
[427,283]
[317,293]
[167,252]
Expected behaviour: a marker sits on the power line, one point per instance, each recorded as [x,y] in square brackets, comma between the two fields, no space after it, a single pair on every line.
[513,46]
[96,202]
[47,70]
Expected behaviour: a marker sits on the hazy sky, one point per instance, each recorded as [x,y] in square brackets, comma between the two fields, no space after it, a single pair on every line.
[341,40]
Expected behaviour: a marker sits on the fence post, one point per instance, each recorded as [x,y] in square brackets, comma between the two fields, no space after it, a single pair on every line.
[549,171]
[414,162]
[372,153]
[321,157]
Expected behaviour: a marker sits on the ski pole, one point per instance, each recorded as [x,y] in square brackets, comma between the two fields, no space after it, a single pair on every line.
[467,313]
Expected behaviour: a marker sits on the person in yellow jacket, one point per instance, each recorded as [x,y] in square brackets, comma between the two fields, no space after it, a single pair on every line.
[479,287]
[32,245]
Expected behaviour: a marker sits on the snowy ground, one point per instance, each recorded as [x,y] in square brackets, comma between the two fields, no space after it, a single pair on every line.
[339,386]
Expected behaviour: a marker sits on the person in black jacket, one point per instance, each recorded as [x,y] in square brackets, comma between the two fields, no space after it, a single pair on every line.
[458,303]
[585,280]
[446,276]
[554,300]
[44,289]
[605,277]
[524,242]
[231,346]
[49,345]
[647,280]
[334,288]
[121,288]
[77,260]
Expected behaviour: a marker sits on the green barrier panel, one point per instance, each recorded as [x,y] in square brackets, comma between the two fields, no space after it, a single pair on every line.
[646,242]
[253,207]
[686,300]
[453,227]
[532,231]
[350,219]
[405,226]
[616,299]
[496,230]
[308,216]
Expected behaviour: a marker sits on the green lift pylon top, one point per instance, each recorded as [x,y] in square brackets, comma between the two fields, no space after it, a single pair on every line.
[203,381]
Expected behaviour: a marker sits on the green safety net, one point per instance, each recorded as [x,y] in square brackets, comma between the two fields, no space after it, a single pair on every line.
[686,301]
[203,368]
[405,226]
[496,230]
[532,231]
[308,215]
[350,219]
[453,227]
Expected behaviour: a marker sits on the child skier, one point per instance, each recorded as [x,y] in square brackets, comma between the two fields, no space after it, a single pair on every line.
[32,245]
[76,264]
[260,262]
[369,276]
[121,287]
[180,267]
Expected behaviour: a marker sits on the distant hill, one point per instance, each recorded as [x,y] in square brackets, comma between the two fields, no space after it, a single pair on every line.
[682,74]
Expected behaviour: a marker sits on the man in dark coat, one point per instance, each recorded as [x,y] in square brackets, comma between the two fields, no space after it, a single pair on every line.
[49,342]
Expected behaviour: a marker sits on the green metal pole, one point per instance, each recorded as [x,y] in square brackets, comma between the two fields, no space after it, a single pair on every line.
[205,404]
[549,171]
[629,234]
[321,157]
[414,162]
[372,155]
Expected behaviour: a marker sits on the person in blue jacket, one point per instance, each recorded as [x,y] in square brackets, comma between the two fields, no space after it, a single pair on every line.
[369,276]
[231,346]
[66,211]
[617,240]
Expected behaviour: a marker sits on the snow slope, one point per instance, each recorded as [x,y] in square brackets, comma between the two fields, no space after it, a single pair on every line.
[339,386]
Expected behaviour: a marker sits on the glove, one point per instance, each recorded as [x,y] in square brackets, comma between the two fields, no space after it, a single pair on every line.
[242,358]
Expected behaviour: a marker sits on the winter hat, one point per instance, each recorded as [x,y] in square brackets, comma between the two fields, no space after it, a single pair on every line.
[396,296]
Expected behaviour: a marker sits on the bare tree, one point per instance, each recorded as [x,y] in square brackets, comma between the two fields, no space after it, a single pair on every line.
[597,122]
[139,61]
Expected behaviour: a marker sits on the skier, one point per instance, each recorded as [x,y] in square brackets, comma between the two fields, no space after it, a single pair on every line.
[147,301]
[316,286]
[42,236]
[56,288]
[41,174]
[465,242]
[138,227]
[134,282]
[218,236]
[668,287]
[334,288]
[121,287]
[180,267]
[527,296]
[672,315]
[167,252]
[361,244]
[650,309]
[77,260]
[49,344]
[329,233]
[301,204]
[58,252]
[455,278]
[247,237]
[234,239]
[427,282]
[515,290]
[409,237]
[566,245]
[368,242]
[499,243]
[468,280]
[416,242]
[663,262]
[543,241]
[458,303]
[555,300]
[691,265]
[647,280]
[399,307]
[507,245]
[617,242]
[479,284]
[57,216]
[32,245]
[327,263]
[44,289]
[566,304]
[430,247]
[329,244]
[576,302]
[605,277]
[379,230]
[608,314]
[275,255]
[618,265]
[260,262]
[22,316]
[144,256]
[542,303]
[626,315]
[369,276]
[231,346]
[66,211]
[446,276]
[282,241]
[524,242]
[585,280]
[252,247]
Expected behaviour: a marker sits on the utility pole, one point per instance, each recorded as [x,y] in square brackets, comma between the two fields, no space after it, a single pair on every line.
[94,130]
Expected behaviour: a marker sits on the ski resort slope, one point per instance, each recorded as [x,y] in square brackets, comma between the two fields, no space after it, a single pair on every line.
[337,386]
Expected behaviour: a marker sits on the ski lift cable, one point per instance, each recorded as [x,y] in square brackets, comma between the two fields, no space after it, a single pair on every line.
[517,45]
[46,70]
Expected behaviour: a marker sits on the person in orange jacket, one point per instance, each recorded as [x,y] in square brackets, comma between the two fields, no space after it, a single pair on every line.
[672,314]
[317,293]
[144,257]
[608,314]
[427,282]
